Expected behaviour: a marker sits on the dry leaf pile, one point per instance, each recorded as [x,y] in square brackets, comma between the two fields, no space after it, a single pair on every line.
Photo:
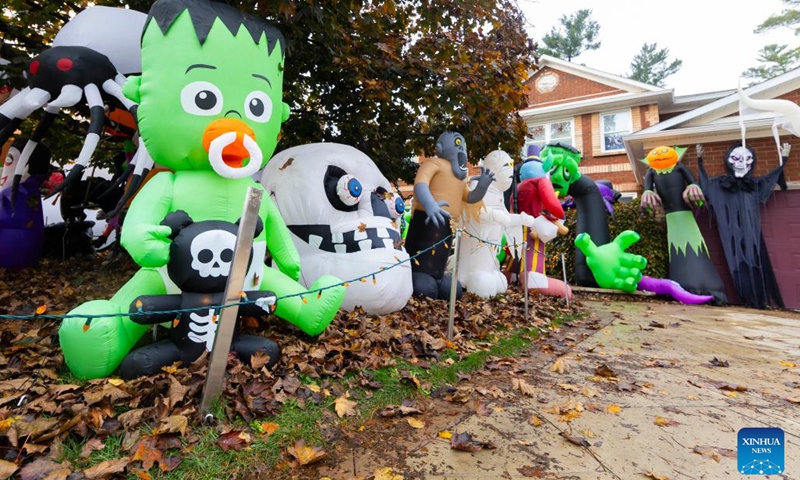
[38,410]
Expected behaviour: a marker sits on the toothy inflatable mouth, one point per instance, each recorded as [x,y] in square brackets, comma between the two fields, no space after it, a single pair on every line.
[462,161]
[321,237]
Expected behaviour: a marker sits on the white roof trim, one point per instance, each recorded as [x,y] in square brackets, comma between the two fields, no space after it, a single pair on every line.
[596,75]
[730,104]
[595,105]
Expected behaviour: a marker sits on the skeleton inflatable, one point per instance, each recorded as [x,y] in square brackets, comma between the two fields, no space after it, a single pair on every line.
[479,270]
[344,220]
[200,262]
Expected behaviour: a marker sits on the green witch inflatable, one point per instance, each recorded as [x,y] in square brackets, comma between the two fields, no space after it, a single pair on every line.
[210,109]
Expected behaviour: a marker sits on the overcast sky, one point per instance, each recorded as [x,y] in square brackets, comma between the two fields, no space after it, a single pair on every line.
[714,38]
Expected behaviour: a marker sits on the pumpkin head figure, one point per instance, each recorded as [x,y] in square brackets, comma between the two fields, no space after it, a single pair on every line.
[664,159]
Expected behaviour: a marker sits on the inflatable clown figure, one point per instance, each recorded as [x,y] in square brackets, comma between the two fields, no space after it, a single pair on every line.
[344,217]
[478,269]
[210,109]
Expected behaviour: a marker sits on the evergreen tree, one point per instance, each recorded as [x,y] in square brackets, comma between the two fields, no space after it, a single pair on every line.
[776,59]
[578,34]
[651,66]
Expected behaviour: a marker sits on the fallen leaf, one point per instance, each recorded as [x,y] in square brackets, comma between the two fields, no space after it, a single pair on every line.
[305,455]
[43,468]
[482,409]
[714,452]
[524,387]
[580,441]
[234,440]
[655,324]
[531,472]
[535,420]
[731,387]
[147,455]
[560,366]
[570,387]
[91,445]
[386,473]
[613,409]
[589,391]
[793,399]
[465,443]
[787,364]
[605,371]
[415,423]
[314,388]
[569,416]
[665,422]
[174,424]
[731,394]
[344,406]
[107,468]
[7,469]
[268,428]
[446,434]
[719,363]
[656,476]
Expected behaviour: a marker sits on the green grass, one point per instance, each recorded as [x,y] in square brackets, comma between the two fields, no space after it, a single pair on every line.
[207,460]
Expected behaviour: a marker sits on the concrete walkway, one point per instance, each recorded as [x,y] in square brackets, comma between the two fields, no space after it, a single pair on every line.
[639,396]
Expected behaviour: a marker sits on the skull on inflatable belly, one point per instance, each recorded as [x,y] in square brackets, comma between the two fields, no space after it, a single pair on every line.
[341,211]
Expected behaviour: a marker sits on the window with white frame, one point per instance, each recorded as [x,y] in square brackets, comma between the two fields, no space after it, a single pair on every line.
[613,126]
[541,134]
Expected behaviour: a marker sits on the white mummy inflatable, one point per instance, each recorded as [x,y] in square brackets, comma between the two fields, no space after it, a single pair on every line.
[478,269]
[342,213]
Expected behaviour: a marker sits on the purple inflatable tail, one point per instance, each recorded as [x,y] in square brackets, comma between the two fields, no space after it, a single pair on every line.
[663,286]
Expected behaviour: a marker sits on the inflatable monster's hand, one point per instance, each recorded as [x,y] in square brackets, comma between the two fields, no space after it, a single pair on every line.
[526,220]
[699,150]
[785,149]
[432,207]
[482,186]
[611,266]
[693,196]
[148,244]
[650,201]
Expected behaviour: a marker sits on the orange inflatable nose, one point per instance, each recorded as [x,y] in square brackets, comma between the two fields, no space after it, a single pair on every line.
[235,153]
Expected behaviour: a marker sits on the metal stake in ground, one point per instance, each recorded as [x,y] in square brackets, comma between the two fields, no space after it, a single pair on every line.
[453,286]
[524,268]
[564,271]
[218,360]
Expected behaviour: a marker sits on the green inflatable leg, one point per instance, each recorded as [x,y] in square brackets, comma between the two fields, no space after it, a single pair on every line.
[315,314]
[94,347]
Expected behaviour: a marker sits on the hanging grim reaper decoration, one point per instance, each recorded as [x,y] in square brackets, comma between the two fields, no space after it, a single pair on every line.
[735,199]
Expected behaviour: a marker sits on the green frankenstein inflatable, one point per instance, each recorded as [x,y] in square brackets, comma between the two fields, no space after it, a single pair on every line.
[210,109]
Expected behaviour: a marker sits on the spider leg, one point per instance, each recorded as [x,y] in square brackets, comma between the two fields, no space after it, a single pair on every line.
[143,163]
[96,113]
[69,97]
[22,164]
[113,88]
[18,108]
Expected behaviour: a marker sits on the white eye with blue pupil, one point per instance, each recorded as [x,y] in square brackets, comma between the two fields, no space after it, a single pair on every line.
[349,190]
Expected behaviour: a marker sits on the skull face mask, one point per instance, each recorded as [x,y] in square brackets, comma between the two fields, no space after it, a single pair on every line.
[740,161]
[342,213]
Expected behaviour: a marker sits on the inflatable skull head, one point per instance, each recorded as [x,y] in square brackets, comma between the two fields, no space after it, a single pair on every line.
[343,215]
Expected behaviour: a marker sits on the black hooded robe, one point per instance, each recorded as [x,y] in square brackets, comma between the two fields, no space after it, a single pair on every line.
[736,203]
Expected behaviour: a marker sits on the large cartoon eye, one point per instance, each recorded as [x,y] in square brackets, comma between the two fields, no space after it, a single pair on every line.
[343,190]
[201,98]
[566,174]
[458,141]
[349,190]
[399,208]
[258,106]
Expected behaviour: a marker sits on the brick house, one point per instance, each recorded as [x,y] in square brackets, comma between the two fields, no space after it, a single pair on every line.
[615,121]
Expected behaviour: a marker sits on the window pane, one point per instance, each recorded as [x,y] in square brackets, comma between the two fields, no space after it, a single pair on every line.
[617,122]
[560,130]
[537,133]
[613,141]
